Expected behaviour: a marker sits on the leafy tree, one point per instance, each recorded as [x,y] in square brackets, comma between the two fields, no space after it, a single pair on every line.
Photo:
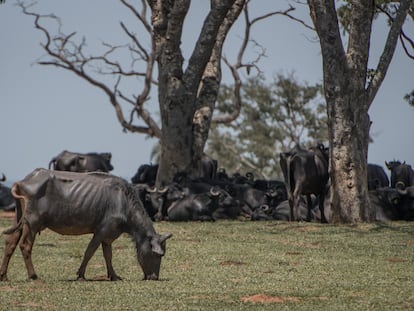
[349,92]
[273,119]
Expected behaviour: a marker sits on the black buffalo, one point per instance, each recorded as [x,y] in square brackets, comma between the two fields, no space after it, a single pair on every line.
[406,206]
[6,198]
[146,174]
[200,206]
[157,200]
[377,178]
[400,172]
[80,162]
[305,173]
[385,202]
[74,204]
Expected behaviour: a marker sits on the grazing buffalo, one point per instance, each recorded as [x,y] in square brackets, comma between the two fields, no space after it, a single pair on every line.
[377,178]
[79,162]
[400,172]
[74,204]
[305,172]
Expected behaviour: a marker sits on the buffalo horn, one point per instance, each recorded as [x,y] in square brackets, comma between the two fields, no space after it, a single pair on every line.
[3,178]
[213,192]
[400,186]
[152,189]
[163,189]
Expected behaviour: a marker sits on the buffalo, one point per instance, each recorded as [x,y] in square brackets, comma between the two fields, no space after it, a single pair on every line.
[81,163]
[6,198]
[146,174]
[200,206]
[377,178]
[400,172]
[82,203]
[305,173]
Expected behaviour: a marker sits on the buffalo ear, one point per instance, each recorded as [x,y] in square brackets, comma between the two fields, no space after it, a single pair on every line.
[157,243]
[165,237]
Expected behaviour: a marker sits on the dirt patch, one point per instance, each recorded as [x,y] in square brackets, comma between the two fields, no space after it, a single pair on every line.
[395,259]
[294,253]
[262,298]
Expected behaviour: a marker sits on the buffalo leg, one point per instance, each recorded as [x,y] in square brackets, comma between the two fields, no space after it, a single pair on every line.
[291,206]
[10,246]
[322,208]
[107,253]
[90,250]
[295,207]
[26,246]
[309,205]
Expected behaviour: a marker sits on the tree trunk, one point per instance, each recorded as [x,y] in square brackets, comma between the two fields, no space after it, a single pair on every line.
[185,102]
[348,100]
[349,137]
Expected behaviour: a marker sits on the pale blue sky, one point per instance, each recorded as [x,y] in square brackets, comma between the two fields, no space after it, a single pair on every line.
[44,110]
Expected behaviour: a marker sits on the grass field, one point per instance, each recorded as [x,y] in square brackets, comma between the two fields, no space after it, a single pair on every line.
[227,265]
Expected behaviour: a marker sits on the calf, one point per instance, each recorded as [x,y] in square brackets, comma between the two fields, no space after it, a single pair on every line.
[81,203]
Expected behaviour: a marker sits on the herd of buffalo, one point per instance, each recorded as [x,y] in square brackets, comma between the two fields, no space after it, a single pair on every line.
[78,195]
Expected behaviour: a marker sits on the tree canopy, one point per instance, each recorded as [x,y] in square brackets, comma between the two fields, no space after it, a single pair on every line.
[274,118]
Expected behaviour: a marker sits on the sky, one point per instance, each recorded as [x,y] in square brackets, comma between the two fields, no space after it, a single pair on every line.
[44,110]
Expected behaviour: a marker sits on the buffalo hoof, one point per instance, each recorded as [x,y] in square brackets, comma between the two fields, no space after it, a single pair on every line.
[33,277]
[3,278]
[151,277]
[115,278]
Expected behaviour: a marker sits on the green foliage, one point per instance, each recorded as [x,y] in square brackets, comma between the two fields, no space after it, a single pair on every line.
[226,265]
[273,118]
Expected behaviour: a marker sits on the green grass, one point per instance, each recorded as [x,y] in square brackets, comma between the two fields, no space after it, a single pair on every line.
[223,266]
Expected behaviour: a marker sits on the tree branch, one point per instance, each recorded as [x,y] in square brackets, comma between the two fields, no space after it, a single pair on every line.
[207,41]
[388,51]
[65,53]
[239,64]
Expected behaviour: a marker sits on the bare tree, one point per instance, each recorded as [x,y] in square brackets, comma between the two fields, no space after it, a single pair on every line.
[186,94]
[349,94]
